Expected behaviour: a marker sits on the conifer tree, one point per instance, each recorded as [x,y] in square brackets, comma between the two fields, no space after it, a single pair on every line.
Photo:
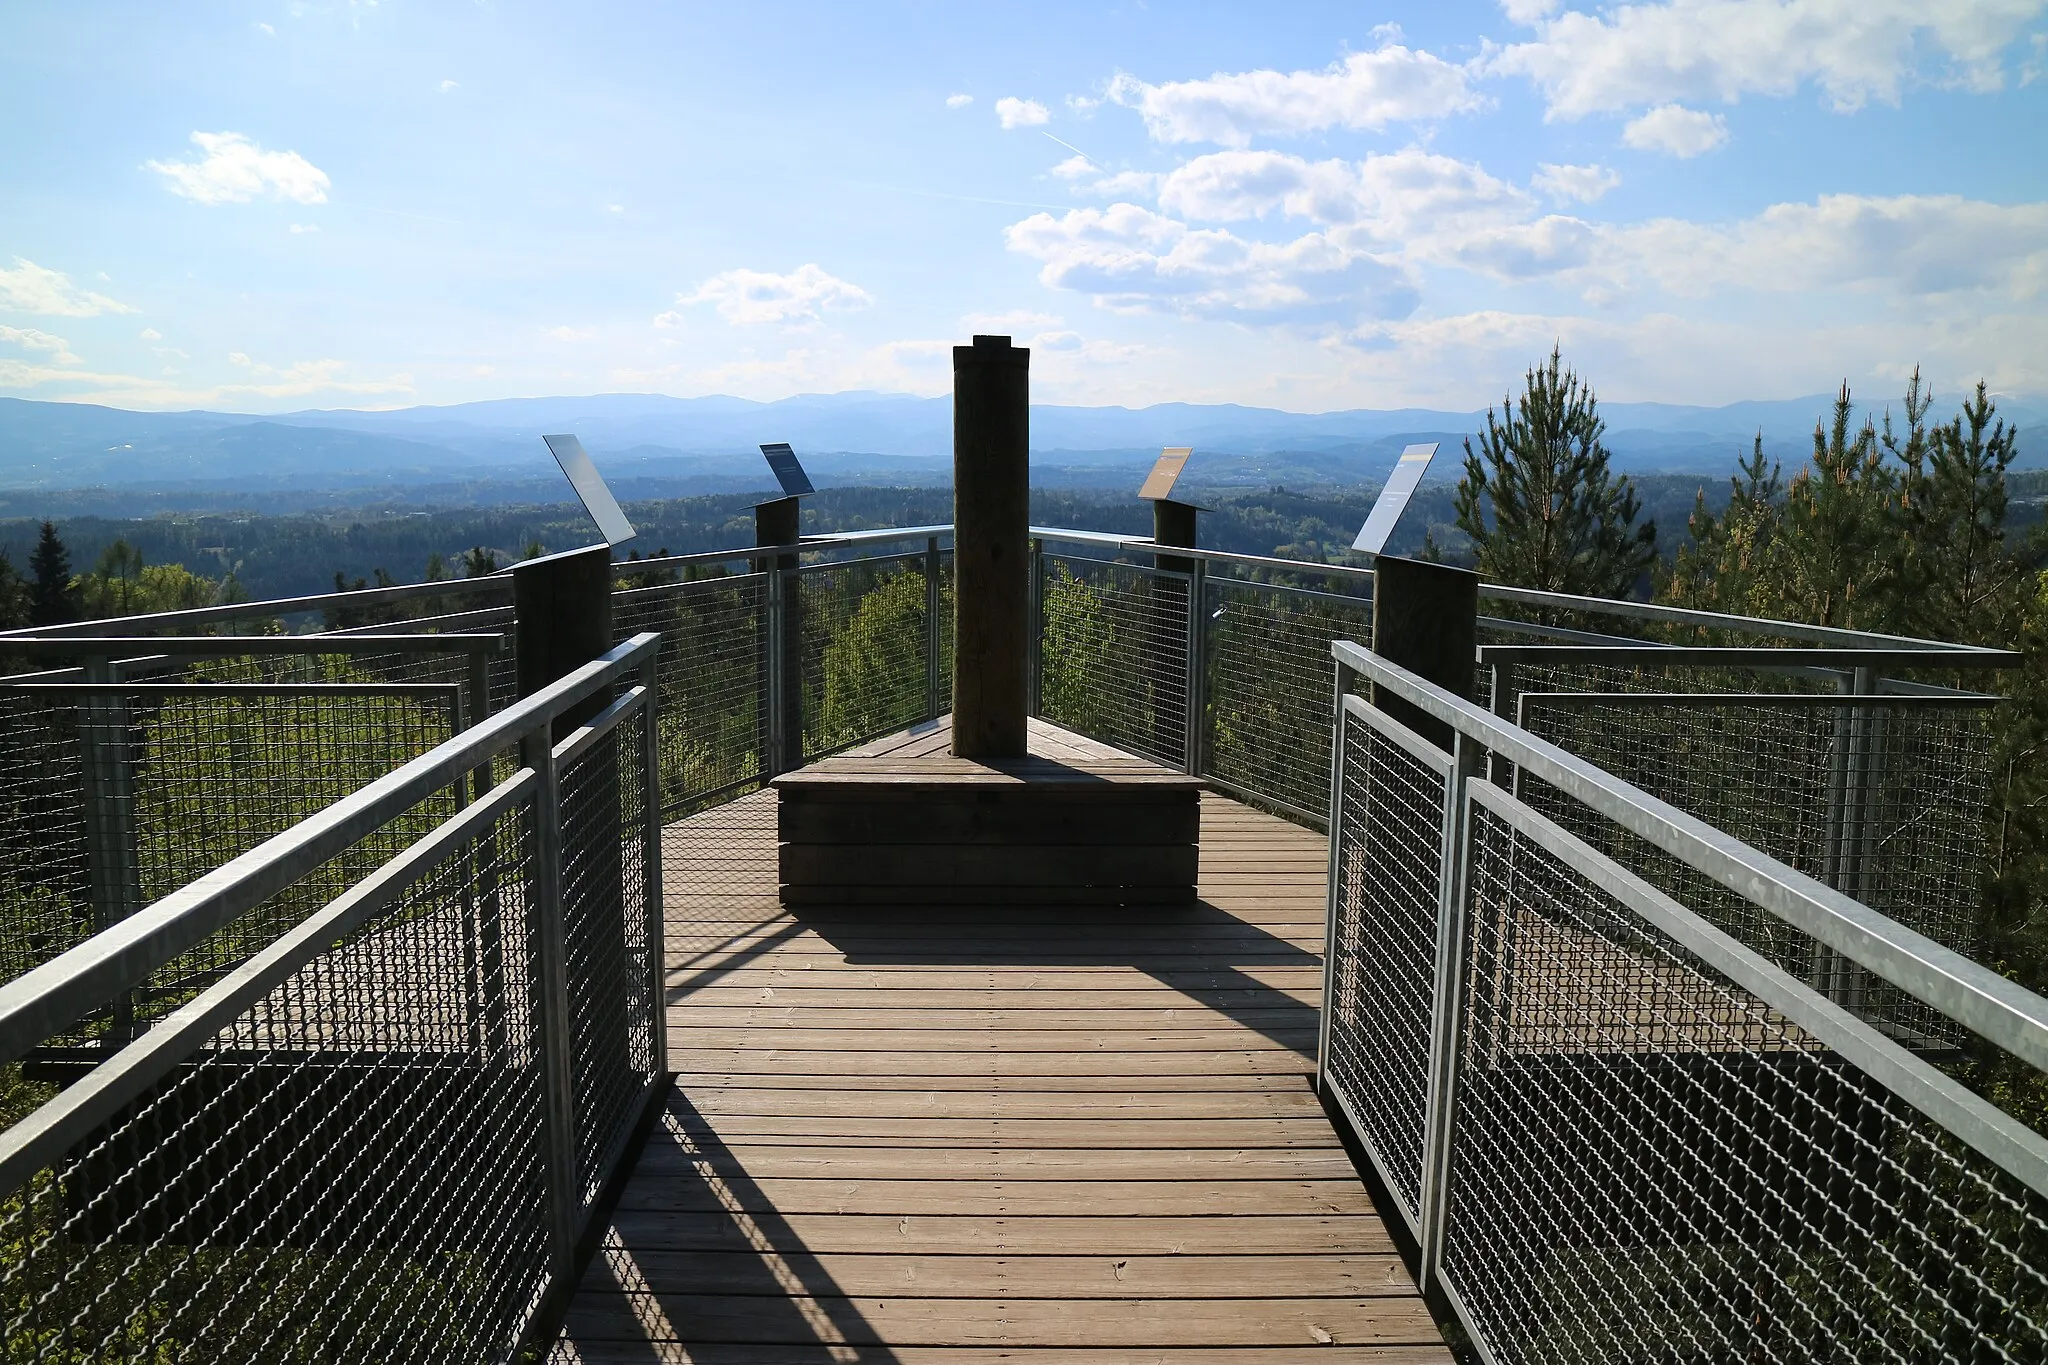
[1731,563]
[1560,520]
[1844,553]
[1970,579]
[50,598]
[14,595]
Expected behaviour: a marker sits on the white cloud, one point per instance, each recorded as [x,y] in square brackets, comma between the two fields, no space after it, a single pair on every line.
[1132,259]
[1365,91]
[266,30]
[1635,55]
[150,334]
[752,297]
[263,382]
[449,85]
[1012,112]
[959,100]
[568,333]
[304,229]
[29,339]
[1390,198]
[235,170]
[1011,323]
[30,288]
[1676,131]
[1564,184]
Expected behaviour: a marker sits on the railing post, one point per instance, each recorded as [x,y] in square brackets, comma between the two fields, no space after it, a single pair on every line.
[1447,1007]
[776,523]
[551,968]
[651,878]
[1333,900]
[931,628]
[1198,639]
[1035,672]
[112,848]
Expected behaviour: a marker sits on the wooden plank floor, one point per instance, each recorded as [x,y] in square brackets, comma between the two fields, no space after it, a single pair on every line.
[953,1136]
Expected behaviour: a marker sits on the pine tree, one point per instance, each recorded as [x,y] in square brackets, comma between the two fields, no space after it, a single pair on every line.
[1731,563]
[1560,520]
[50,598]
[1845,560]
[14,595]
[1969,587]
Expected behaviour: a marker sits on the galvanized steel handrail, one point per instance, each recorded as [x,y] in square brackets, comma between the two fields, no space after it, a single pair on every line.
[1995,1008]
[47,998]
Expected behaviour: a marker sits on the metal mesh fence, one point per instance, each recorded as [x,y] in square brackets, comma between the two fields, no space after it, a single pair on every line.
[1112,658]
[350,1168]
[1267,688]
[1649,1163]
[867,649]
[712,681]
[1382,954]
[1882,801]
[604,899]
[129,791]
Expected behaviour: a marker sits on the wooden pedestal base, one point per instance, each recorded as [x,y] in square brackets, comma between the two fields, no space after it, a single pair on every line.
[902,821]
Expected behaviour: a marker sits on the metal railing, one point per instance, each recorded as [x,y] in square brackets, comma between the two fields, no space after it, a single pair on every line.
[381,1133]
[1616,1131]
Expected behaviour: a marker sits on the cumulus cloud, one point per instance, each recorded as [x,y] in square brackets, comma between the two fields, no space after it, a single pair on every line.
[1012,112]
[29,339]
[1365,91]
[1676,131]
[1133,259]
[959,101]
[568,333]
[1566,184]
[448,85]
[753,297]
[1856,51]
[30,288]
[235,170]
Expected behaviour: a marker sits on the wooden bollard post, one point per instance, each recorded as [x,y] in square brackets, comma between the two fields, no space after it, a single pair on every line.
[991,559]
[1425,617]
[563,606]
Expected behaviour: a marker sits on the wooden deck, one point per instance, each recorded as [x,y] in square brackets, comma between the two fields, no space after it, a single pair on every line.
[960,1135]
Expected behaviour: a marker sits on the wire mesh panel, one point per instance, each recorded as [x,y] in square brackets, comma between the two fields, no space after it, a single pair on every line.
[1383,951]
[1267,687]
[865,649]
[712,682]
[46,900]
[349,1168]
[604,899]
[1648,1162]
[126,792]
[1113,649]
[1884,801]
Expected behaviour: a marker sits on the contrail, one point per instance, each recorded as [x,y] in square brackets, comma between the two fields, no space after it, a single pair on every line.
[1075,150]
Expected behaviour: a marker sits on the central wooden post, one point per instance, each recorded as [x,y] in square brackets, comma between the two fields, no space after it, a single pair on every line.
[991,559]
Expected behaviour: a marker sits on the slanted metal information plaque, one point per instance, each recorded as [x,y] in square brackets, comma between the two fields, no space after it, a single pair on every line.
[590,487]
[788,470]
[1173,461]
[1393,499]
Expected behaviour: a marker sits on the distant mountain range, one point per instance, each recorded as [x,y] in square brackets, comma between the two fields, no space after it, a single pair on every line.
[650,445]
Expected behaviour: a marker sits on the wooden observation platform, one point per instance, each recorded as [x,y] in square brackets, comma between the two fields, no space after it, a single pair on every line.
[970,1132]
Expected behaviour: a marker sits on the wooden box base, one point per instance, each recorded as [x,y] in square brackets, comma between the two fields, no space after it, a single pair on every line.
[902,821]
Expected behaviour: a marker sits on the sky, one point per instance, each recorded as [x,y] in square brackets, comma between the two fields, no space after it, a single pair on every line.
[276,206]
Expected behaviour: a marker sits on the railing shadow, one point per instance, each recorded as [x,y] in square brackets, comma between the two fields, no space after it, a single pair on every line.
[699,1266]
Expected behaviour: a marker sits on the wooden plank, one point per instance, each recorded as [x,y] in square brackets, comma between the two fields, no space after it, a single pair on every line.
[1084,1069]
[868,1017]
[640,1351]
[1187,1106]
[1302,1041]
[1259,1234]
[702,1082]
[1346,1275]
[1013,1323]
[756,1130]
[946,1163]
[1158,822]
